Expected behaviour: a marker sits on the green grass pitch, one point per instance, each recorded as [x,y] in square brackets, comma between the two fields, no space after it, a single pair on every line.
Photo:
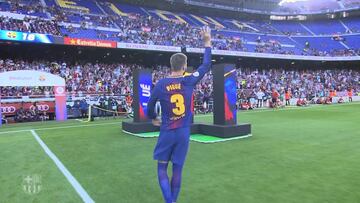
[305,155]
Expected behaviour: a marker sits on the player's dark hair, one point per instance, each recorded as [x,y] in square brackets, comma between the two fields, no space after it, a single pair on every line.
[178,61]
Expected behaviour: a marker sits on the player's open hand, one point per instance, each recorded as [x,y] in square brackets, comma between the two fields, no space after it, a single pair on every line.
[156,122]
[205,33]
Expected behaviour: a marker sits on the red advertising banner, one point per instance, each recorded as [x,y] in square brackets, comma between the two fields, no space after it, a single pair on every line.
[9,109]
[89,42]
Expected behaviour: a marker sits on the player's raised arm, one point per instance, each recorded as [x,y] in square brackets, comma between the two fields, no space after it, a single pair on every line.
[206,65]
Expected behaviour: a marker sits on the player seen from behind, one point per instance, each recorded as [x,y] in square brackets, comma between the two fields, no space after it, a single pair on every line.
[175,96]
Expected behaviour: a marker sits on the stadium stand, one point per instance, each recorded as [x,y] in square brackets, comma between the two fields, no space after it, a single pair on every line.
[263,6]
[266,93]
[116,79]
[32,7]
[132,24]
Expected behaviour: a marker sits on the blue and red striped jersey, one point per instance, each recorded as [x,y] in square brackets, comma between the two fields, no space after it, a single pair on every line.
[175,96]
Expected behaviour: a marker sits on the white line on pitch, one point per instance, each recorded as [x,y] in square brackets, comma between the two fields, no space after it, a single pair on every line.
[60,127]
[74,183]
[82,121]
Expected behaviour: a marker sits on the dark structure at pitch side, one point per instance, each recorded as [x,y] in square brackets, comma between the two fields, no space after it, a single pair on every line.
[225,96]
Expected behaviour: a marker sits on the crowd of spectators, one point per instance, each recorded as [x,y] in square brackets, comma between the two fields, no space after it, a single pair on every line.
[116,79]
[34,25]
[25,115]
[153,31]
[148,30]
[334,52]
[86,20]
[31,7]
[31,114]
[301,83]
[271,46]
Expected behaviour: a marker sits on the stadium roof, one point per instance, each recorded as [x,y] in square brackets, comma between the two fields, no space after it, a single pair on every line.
[280,6]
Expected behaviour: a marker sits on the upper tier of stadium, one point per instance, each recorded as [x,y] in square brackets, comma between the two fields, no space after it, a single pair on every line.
[280,7]
[133,24]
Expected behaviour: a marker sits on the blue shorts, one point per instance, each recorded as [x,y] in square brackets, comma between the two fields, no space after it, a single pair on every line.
[173,145]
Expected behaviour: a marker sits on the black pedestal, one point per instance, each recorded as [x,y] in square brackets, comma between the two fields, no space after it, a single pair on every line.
[139,127]
[223,131]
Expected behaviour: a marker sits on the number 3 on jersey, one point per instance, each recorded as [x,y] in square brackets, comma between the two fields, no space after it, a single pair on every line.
[178,100]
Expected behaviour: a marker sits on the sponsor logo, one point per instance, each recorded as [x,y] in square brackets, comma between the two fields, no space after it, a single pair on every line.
[19,78]
[11,35]
[148,47]
[8,109]
[42,78]
[60,90]
[40,107]
[145,92]
[90,42]
[32,184]
[196,74]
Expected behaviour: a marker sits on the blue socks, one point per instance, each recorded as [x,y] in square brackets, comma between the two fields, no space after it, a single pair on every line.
[164,181]
[176,181]
[170,193]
